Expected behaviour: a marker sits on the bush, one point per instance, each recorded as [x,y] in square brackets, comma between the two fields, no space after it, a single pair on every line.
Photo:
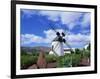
[64,61]
[51,58]
[76,58]
[78,51]
[27,60]
[86,54]
[69,60]
[23,52]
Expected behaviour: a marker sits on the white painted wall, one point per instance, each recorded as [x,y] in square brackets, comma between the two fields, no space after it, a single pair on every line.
[67,52]
[57,48]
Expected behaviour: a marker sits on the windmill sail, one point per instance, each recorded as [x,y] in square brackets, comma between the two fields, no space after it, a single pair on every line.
[68,46]
[57,44]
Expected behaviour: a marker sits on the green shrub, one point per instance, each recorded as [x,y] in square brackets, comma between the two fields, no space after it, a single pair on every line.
[69,60]
[86,54]
[76,58]
[64,61]
[51,58]
[27,60]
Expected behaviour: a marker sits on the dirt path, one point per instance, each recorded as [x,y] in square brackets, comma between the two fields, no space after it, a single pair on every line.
[49,65]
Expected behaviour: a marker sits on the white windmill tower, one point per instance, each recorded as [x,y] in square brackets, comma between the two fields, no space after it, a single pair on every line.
[58,44]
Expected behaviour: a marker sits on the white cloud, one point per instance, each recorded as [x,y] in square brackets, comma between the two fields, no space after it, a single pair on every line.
[68,18]
[52,15]
[86,20]
[50,35]
[85,31]
[29,38]
[78,40]
[71,19]
[32,38]
[74,40]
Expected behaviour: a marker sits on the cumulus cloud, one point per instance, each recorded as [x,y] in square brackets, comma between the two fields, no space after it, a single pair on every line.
[86,20]
[78,40]
[74,40]
[71,19]
[29,38]
[32,38]
[52,15]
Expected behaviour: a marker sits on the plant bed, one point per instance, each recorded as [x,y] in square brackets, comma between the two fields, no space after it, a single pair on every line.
[27,60]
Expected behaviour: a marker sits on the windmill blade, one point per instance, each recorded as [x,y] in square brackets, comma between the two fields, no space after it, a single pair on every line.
[53,29]
[64,28]
[68,46]
[65,31]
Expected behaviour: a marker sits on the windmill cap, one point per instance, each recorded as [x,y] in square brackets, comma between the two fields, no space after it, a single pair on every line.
[63,34]
[58,34]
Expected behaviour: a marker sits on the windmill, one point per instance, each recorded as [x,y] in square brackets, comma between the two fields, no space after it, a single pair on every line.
[57,46]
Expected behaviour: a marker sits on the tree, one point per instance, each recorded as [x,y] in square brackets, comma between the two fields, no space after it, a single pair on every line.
[72,51]
[89,47]
[23,52]
[77,51]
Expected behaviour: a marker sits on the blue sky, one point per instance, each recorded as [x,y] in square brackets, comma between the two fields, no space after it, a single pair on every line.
[36,27]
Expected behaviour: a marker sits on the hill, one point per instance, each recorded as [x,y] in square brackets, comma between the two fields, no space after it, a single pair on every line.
[35,49]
